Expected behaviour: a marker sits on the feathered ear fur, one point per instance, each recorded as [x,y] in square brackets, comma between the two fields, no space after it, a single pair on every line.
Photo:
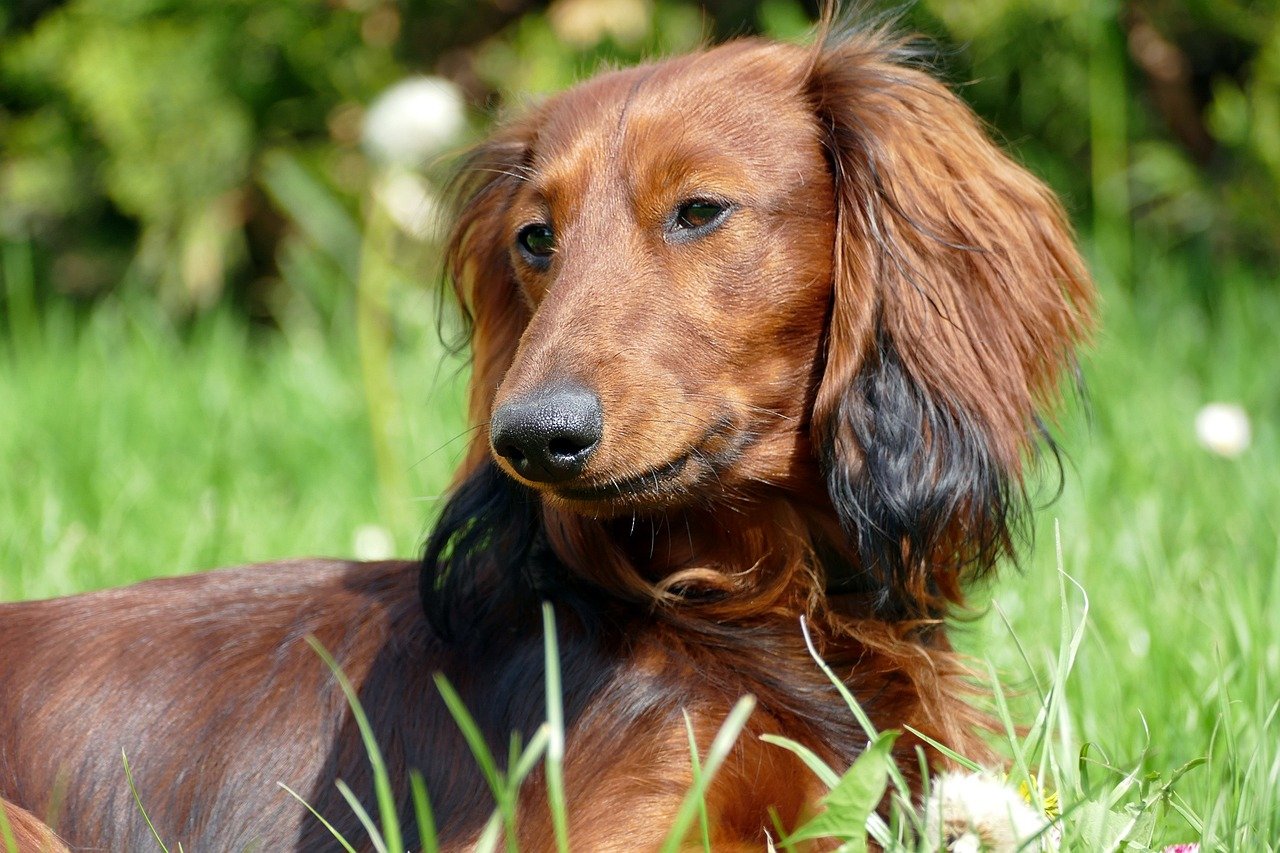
[477,262]
[481,563]
[485,562]
[958,299]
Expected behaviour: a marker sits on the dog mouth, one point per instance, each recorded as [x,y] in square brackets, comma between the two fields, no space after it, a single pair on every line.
[650,482]
[667,482]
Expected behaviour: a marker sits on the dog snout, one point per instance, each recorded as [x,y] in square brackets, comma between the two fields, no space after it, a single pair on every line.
[548,435]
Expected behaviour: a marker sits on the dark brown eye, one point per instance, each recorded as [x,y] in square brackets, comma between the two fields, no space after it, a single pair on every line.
[698,213]
[537,240]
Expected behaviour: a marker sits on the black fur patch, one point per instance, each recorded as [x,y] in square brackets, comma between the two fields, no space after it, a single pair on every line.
[486,562]
[927,494]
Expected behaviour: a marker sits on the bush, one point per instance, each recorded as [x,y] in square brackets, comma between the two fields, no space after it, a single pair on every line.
[138,135]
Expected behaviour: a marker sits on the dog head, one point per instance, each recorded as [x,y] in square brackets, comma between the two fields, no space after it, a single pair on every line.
[763,272]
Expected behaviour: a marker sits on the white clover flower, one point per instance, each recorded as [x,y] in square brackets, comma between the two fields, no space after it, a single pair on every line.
[413,120]
[1223,428]
[373,542]
[973,812]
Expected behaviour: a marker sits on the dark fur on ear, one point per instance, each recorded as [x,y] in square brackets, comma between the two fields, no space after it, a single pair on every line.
[958,297]
[486,562]
[480,562]
[926,473]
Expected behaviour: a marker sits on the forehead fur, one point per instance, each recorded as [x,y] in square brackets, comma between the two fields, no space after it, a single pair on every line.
[738,102]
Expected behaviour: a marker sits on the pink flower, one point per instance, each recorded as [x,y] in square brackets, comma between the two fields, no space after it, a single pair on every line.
[1183,848]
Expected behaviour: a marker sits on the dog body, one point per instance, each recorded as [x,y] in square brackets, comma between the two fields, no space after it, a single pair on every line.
[209,686]
[758,333]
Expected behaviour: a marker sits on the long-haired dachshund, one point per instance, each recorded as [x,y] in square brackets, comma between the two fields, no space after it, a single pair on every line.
[760,332]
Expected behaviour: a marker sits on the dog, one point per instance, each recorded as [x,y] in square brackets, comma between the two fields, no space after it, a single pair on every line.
[762,332]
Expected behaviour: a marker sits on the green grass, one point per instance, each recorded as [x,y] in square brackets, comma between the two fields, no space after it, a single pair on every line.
[1176,550]
[133,448]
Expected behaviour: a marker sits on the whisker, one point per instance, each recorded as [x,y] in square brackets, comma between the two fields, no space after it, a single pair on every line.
[465,432]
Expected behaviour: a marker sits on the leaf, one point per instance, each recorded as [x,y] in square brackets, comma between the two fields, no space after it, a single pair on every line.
[848,806]
[1105,829]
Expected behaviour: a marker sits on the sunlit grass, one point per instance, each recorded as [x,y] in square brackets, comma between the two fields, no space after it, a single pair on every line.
[137,448]
[134,449]
[1176,548]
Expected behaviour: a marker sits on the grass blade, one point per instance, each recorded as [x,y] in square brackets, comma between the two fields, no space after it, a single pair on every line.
[503,796]
[472,734]
[346,846]
[556,799]
[855,707]
[381,779]
[720,747]
[528,758]
[375,837]
[829,777]
[947,751]
[696,762]
[128,775]
[427,836]
[851,803]
[489,838]
[6,831]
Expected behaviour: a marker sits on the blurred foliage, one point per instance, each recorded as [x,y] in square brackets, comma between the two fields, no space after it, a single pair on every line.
[1191,89]
[210,150]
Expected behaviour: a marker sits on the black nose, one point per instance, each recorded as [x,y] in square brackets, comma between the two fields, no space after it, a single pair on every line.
[549,434]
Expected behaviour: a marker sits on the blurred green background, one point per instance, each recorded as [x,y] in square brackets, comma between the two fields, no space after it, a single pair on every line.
[145,143]
[219,318]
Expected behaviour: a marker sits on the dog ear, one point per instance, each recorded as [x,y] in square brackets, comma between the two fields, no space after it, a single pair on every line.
[478,265]
[481,564]
[958,300]
[473,561]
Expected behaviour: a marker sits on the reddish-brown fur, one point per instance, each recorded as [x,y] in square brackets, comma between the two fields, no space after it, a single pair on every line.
[28,833]
[846,372]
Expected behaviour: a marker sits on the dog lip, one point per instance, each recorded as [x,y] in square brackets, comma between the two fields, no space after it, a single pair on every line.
[643,482]
[648,482]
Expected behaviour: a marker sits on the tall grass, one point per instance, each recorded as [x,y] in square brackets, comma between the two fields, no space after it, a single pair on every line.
[132,448]
[135,448]
[1176,547]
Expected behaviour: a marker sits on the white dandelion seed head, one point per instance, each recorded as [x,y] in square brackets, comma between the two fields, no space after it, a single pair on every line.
[978,813]
[373,542]
[413,120]
[1223,428]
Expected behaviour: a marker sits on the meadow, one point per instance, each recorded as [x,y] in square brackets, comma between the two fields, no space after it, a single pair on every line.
[135,446]
[1133,655]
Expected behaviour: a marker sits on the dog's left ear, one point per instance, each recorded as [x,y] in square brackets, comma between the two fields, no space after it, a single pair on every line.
[958,300]
[479,268]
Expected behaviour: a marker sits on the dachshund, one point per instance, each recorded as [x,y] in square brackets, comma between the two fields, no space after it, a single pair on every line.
[762,332]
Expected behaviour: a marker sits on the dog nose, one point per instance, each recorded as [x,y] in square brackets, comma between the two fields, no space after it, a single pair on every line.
[548,435]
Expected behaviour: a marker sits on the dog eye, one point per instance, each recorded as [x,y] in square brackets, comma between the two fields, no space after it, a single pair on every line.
[698,213]
[537,240]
